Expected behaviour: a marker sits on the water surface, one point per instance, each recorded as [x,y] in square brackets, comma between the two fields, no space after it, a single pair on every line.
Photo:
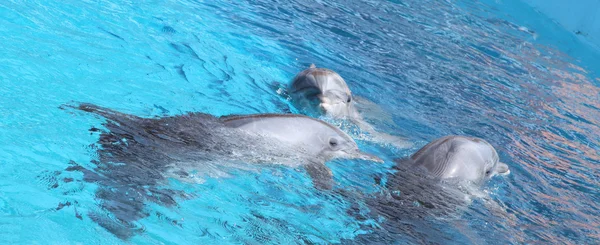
[491,69]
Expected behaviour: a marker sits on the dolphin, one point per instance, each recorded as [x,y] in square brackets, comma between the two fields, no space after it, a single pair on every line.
[135,154]
[440,180]
[335,100]
[452,166]
[307,141]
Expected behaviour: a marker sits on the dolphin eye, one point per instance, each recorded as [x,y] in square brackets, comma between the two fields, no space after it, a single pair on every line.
[333,142]
[349,99]
[488,172]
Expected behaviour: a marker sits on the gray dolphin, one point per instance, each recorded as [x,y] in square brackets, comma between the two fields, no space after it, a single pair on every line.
[459,157]
[135,154]
[335,100]
[303,140]
[439,180]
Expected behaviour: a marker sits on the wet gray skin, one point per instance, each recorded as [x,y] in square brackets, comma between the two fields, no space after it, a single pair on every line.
[134,154]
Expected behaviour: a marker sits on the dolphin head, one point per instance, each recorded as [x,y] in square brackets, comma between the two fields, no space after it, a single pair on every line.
[460,158]
[335,98]
[313,137]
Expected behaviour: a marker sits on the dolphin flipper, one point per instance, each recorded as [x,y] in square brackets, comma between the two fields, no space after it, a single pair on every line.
[320,174]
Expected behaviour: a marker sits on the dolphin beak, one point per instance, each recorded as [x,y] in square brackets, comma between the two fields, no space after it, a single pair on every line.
[365,156]
[502,169]
[324,107]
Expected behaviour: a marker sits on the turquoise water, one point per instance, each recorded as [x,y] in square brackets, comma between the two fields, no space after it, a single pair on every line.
[437,67]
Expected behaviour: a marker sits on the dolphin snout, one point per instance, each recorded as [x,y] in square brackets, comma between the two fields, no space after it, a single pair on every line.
[366,156]
[336,110]
[323,107]
[502,169]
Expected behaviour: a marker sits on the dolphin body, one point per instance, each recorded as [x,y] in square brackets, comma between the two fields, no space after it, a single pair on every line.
[135,154]
[326,91]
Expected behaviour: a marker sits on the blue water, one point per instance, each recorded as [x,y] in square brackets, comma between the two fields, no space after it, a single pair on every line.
[438,67]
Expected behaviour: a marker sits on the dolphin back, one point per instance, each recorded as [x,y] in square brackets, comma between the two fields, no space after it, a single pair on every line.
[236,121]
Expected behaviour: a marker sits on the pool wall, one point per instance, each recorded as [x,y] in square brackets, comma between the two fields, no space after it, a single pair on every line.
[581,18]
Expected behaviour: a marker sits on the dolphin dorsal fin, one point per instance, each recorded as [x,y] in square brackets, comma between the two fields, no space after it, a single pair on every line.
[313,66]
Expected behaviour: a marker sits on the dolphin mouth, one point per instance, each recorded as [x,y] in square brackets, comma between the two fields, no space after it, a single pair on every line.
[366,156]
[502,169]
[336,108]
